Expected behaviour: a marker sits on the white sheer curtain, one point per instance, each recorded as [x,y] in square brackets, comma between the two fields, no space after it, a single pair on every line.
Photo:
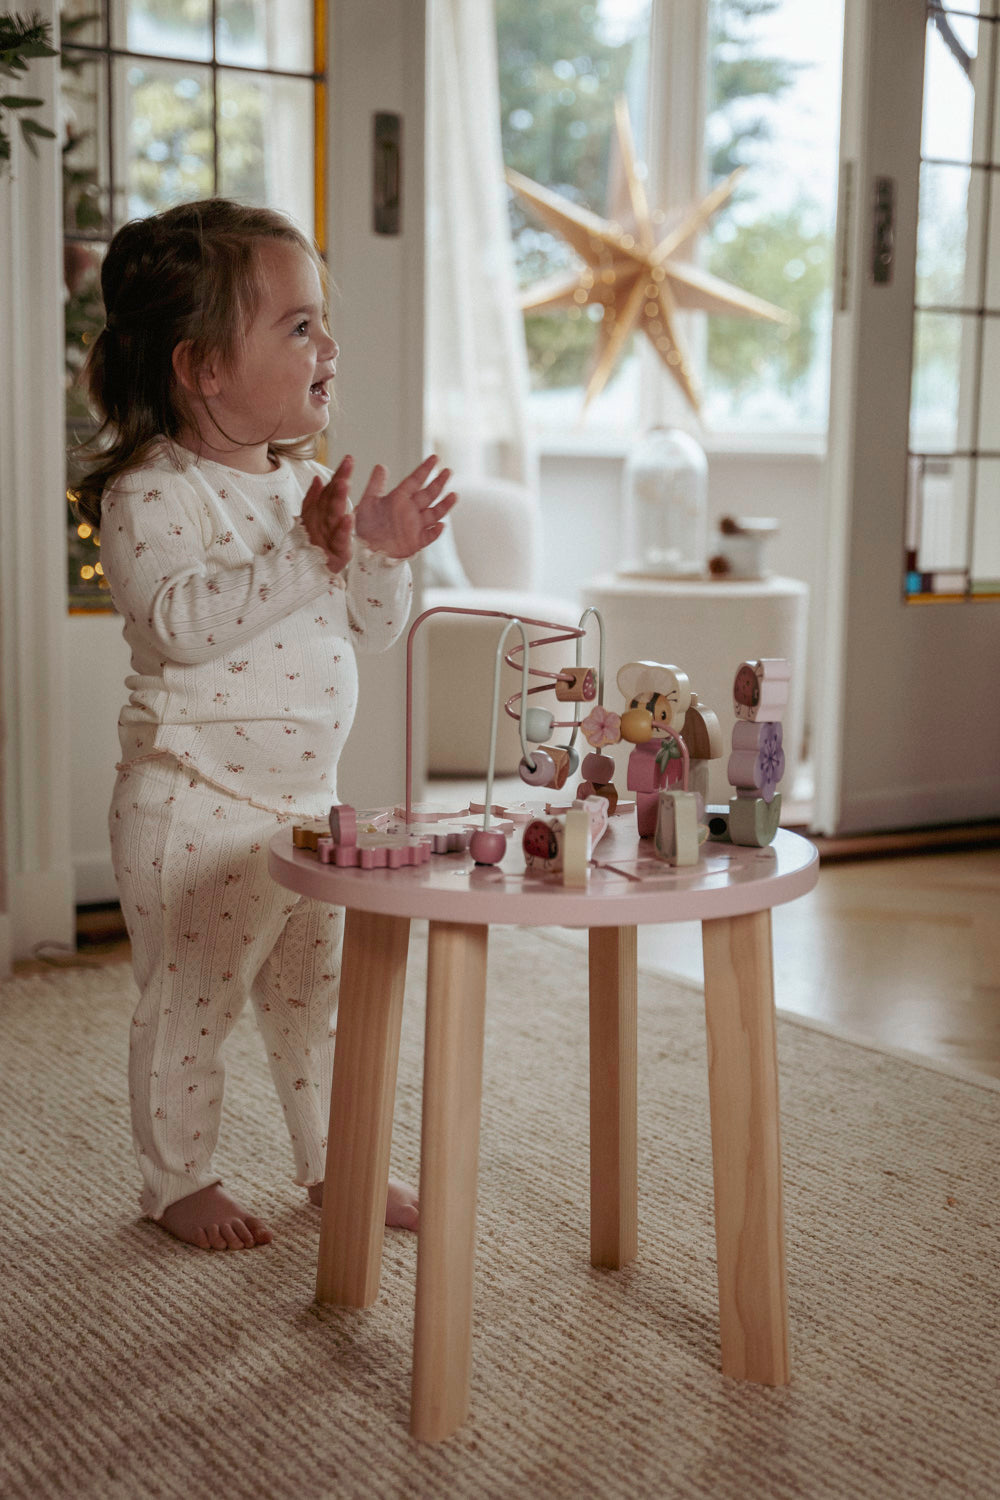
[477,376]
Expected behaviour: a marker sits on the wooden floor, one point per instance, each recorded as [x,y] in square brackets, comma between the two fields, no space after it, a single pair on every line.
[901,951]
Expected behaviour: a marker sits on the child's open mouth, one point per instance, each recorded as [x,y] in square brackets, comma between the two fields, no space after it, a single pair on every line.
[319,391]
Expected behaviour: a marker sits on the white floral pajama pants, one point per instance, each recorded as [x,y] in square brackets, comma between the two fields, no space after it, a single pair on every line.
[209,927]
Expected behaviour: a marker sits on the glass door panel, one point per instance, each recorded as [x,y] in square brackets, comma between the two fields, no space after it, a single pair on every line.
[954,418]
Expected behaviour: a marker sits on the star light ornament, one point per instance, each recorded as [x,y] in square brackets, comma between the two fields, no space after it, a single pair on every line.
[639,281]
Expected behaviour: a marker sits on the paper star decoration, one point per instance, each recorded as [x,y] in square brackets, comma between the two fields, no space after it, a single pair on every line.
[635,278]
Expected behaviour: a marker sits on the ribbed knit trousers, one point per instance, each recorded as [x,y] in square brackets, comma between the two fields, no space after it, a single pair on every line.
[209,927]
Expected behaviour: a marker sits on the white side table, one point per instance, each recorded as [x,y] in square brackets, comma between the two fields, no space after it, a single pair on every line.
[707,627]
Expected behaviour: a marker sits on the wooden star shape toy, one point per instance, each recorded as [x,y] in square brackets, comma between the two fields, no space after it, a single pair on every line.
[637,279]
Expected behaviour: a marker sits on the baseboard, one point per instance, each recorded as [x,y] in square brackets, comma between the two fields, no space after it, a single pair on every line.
[907,841]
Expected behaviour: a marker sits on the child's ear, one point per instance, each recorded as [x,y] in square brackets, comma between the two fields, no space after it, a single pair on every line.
[197,379]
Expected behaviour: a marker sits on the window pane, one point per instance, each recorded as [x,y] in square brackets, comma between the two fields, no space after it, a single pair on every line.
[81,21]
[255,34]
[168,28]
[952,202]
[166,112]
[266,143]
[774,109]
[561,69]
[986,529]
[944,346]
[956,354]
[948,118]
[938,505]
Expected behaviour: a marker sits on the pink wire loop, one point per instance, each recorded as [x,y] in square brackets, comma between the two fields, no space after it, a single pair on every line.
[565,633]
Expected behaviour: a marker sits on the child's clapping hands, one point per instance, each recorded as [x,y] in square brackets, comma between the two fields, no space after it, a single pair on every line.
[327,517]
[399,523]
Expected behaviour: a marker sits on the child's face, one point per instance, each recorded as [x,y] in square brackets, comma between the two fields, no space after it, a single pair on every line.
[280,384]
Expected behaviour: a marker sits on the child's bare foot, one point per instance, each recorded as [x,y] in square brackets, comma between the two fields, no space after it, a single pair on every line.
[212,1220]
[402,1209]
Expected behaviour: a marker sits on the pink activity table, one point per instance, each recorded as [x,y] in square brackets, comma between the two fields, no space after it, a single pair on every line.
[730,891]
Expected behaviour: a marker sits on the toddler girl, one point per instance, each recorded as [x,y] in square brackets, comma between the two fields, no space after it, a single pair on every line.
[245,582]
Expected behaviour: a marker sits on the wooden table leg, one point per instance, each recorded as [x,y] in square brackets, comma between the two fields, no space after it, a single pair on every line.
[746,1150]
[613,1107]
[369,1017]
[449,1167]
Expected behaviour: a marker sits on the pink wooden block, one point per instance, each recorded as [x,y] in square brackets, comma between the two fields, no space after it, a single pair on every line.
[343,823]
[751,734]
[642,774]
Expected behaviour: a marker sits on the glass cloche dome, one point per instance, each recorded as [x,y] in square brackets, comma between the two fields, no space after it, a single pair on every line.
[666,486]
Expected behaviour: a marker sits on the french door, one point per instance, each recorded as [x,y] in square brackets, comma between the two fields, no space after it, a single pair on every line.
[910,730]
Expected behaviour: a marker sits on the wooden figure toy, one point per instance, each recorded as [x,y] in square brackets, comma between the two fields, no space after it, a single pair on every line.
[658,696]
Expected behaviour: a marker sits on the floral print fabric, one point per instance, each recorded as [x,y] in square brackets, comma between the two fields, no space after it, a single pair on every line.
[242,641]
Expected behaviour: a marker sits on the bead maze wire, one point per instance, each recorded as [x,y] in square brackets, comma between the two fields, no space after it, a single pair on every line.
[511,706]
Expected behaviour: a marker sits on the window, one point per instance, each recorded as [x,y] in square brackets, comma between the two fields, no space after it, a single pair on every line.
[165,101]
[953,500]
[753,84]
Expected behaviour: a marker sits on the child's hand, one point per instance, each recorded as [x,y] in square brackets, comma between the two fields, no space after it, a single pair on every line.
[327,518]
[409,517]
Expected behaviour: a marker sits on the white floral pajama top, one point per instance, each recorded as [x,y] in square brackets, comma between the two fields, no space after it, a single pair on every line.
[242,641]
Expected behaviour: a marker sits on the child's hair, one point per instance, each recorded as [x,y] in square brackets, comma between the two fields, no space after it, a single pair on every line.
[189,273]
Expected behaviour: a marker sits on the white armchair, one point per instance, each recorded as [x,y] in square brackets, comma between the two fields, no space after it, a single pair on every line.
[489,559]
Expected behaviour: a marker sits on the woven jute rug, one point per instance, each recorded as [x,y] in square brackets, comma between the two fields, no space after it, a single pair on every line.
[133,1366]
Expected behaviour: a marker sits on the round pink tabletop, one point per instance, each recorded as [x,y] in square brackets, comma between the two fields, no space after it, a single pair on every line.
[628,886]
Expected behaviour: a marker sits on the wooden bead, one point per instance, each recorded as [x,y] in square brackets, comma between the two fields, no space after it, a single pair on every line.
[609,793]
[637,725]
[488,846]
[581,688]
[561,761]
[538,723]
[540,770]
[597,768]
